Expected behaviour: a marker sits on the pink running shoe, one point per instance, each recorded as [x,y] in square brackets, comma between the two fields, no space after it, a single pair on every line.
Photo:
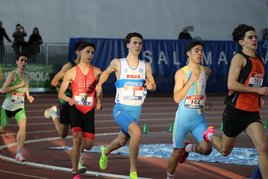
[184,153]
[210,130]
[77,176]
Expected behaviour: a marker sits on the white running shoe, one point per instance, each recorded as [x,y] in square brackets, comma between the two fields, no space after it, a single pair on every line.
[48,112]
[19,157]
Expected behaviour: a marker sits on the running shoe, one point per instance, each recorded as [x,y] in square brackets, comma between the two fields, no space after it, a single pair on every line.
[19,157]
[209,131]
[48,112]
[76,176]
[169,176]
[133,175]
[103,159]
[81,167]
[184,153]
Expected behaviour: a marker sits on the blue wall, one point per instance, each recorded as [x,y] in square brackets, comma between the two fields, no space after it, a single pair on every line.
[166,57]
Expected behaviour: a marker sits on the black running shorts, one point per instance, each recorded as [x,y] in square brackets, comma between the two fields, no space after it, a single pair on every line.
[64,113]
[236,121]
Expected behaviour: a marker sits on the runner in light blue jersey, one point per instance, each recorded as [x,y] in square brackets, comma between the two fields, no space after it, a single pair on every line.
[189,93]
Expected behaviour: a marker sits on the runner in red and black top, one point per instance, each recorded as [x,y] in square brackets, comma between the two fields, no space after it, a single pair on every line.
[83,78]
[242,112]
[62,120]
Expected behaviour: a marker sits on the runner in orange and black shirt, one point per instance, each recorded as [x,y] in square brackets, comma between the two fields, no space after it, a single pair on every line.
[242,112]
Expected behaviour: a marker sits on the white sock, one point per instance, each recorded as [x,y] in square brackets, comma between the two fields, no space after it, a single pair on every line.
[169,176]
[18,151]
[54,115]
[190,148]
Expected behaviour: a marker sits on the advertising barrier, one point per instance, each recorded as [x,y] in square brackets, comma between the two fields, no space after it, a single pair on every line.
[167,56]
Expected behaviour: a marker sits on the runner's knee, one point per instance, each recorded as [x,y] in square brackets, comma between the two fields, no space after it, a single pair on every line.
[77,138]
[176,154]
[225,152]
[262,149]
[206,150]
[122,141]
[135,132]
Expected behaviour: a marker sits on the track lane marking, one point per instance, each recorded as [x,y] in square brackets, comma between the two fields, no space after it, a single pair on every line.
[220,171]
[57,168]
[21,174]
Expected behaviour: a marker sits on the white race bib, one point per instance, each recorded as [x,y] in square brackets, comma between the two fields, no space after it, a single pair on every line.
[194,102]
[255,80]
[132,92]
[17,98]
[83,99]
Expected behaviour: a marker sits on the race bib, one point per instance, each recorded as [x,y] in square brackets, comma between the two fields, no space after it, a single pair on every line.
[194,102]
[132,92]
[83,99]
[17,98]
[255,80]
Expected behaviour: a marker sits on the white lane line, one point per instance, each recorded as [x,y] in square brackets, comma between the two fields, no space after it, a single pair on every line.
[57,168]
[21,174]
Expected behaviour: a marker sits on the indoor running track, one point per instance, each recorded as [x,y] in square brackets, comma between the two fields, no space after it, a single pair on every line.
[158,112]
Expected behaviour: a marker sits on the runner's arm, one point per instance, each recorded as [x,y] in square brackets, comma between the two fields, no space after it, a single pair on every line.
[114,65]
[11,77]
[27,91]
[64,85]
[182,85]
[56,81]
[97,73]
[207,101]
[150,83]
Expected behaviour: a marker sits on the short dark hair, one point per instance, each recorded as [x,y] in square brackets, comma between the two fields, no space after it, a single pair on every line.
[22,54]
[132,34]
[76,45]
[86,44]
[192,44]
[240,31]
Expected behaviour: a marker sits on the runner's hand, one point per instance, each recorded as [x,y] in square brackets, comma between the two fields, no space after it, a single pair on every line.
[148,85]
[99,106]
[71,102]
[30,99]
[262,103]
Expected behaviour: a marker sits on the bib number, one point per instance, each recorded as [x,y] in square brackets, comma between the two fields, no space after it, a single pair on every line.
[194,102]
[132,92]
[83,100]
[17,98]
[255,80]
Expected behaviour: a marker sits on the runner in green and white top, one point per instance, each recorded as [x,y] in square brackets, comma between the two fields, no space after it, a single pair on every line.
[16,87]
